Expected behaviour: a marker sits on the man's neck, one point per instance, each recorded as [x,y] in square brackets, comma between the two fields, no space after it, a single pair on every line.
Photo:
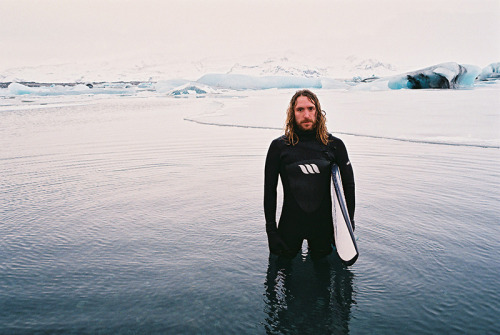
[305,134]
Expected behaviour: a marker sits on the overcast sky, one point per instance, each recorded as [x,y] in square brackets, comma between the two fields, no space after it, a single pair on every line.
[398,31]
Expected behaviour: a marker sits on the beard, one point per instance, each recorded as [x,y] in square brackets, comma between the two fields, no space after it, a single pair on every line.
[301,127]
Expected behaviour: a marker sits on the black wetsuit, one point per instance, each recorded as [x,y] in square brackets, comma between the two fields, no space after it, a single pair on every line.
[305,170]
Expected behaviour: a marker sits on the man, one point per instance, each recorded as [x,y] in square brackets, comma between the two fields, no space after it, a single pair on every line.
[303,158]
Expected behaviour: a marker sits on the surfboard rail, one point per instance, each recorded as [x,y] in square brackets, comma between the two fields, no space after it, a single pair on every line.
[345,241]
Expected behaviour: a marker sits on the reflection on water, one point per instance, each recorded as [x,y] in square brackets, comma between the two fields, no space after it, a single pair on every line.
[308,297]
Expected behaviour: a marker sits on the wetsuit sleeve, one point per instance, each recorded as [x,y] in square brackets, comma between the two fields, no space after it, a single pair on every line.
[271,174]
[347,175]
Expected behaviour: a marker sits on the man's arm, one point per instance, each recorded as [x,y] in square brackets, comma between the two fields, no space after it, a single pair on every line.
[347,174]
[271,174]
[276,244]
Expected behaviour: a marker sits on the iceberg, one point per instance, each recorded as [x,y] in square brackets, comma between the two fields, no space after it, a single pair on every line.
[77,89]
[166,86]
[330,83]
[247,82]
[446,75]
[272,74]
[191,89]
[491,72]
[20,89]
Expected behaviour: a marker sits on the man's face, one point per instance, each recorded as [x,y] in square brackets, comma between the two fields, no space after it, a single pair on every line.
[305,113]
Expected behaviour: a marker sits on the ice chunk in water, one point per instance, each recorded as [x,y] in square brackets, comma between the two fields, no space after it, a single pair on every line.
[491,72]
[446,75]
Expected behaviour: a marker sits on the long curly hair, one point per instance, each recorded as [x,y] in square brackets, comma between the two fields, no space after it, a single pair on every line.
[290,125]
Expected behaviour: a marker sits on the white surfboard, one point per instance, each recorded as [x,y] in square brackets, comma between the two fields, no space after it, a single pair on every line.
[342,229]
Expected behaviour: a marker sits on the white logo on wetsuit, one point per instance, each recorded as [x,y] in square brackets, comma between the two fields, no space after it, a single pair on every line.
[309,168]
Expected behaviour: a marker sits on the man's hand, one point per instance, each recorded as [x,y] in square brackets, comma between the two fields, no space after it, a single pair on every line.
[276,244]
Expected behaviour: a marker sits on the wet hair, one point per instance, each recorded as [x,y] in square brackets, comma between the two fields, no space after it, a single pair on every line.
[290,125]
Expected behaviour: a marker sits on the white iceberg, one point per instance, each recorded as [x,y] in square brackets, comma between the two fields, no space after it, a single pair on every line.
[246,82]
[192,89]
[77,89]
[166,86]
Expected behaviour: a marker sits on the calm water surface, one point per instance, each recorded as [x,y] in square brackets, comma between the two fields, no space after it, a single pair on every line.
[120,217]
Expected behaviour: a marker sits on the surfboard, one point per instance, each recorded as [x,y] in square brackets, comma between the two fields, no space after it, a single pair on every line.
[342,230]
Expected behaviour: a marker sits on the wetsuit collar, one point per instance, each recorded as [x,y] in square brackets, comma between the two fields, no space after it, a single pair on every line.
[306,135]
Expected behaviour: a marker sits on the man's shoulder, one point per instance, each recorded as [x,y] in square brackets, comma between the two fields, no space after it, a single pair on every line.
[333,139]
[335,142]
[282,140]
[278,144]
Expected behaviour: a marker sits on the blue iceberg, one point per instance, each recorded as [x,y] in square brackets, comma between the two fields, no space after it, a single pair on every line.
[20,89]
[446,75]
[491,72]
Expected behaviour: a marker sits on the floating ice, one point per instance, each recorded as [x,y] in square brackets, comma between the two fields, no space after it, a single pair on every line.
[77,89]
[446,75]
[376,85]
[192,89]
[166,86]
[285,76]
[19,89]
[491,72]
[146,86]
[243,82]
[330,83]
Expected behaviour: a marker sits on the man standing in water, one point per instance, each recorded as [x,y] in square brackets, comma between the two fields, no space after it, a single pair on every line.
[303,158]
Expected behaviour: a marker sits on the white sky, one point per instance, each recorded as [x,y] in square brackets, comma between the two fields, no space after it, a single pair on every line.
[422,33]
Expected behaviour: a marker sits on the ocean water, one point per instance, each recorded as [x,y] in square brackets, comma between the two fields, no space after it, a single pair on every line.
[143,215]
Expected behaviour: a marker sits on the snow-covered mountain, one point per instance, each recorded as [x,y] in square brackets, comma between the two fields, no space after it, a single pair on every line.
[155,68]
